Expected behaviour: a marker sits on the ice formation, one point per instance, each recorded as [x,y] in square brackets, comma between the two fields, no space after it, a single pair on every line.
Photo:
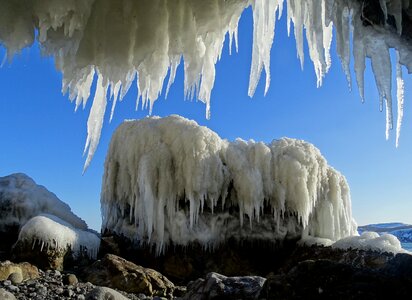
[51,232]
[371,241]
[21,199]
[122,40]
[169,180]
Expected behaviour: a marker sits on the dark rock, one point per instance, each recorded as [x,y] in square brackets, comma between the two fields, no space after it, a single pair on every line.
[327,279]
[183,264]
[217,286]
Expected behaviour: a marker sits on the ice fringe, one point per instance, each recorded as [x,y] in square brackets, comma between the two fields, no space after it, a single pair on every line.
[171,181]
[51,232]
[121,40]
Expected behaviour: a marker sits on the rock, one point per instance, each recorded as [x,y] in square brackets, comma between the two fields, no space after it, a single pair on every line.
[45,258]
[16,277]
[327,279]
[70,279]
[116,272]
[104,293]
[217,286]
[5,295]
[28,271]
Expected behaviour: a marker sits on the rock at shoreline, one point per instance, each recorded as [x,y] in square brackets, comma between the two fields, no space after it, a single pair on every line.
[5,295]
[217,286]
[27,271]
[104,293]
[116,272]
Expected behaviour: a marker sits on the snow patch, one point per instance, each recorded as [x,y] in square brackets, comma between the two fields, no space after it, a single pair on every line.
[52,232]
[170,180]
[371,241]
[122,40]
[21,199]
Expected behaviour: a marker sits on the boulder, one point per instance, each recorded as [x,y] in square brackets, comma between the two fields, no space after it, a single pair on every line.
[26,270]
[52,243]
[44,257]
[116,272]
[217,286]
[104,293]
[327,279]
[5,295]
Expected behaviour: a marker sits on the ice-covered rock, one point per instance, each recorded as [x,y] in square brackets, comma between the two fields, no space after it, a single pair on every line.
[22,199]
[171,181]
[120,41]
[371,241]
[49,241]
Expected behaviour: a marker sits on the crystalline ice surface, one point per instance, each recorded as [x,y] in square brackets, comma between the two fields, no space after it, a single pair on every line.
[120,41]
[21,199]
[169,180]
[51,232]
[371,241]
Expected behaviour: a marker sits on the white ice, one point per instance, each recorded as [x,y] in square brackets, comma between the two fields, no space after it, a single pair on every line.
[21,199]
[371,241]
[121,41]
[169,180]
[51,232]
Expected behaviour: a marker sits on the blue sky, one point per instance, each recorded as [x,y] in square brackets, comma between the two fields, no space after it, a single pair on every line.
[43,137]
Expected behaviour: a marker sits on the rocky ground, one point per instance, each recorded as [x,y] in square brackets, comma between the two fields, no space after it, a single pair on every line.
[53,284]
[308,273]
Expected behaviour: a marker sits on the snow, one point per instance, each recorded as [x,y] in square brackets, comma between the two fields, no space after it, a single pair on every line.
[169,180]
[120,41]
[21,199]
[371,241]
[52,232]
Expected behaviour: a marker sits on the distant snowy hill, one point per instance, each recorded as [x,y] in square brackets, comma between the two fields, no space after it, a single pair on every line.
[402,231]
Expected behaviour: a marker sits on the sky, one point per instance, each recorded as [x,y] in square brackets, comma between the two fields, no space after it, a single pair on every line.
[42,136]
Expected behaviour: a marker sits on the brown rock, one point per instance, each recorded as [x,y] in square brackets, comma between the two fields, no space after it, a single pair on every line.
[118,273]
[45,258]
[26,270]
[70,279]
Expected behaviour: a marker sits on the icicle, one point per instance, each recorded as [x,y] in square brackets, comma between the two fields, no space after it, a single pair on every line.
[400,95]
[95,121]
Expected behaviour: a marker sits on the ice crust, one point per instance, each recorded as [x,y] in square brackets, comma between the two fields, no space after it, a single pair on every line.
[371,241]
[169,180]
[21,199]
[122,40]
[51,232]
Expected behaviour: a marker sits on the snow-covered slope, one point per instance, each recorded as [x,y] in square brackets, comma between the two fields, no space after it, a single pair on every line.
[171,180]
[22,199]
[119,41]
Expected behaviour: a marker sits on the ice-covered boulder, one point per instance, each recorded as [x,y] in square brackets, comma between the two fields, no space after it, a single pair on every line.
[371,241]
[22,199]
[170,181]
[50,242]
